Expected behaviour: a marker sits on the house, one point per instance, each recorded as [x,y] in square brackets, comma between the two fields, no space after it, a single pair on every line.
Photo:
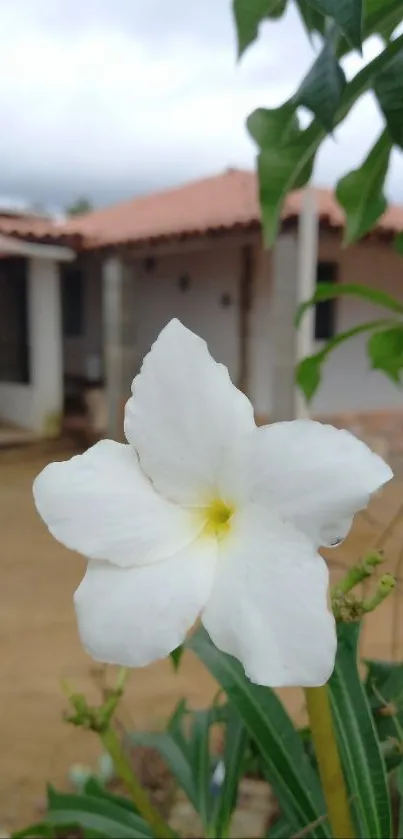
[81,302]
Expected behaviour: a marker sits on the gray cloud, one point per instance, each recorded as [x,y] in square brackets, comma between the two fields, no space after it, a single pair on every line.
[110,99]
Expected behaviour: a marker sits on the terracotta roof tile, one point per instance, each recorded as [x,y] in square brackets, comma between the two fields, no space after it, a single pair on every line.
[35,229]
[224,202]
[214,204]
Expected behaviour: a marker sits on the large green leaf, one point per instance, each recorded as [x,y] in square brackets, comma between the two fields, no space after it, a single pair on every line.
[285,161]
[94,788]
[361,755]
[281,830]
[360,192]
[388,88]
[201,764]
[399,779]
[347,15]
[236,743]
[287,768]
[287,153]
[322,87]
[95,814]
[35,831]
[312,20]
[385,350]
[309,371]
[329,291]
[249,14]
[381,17]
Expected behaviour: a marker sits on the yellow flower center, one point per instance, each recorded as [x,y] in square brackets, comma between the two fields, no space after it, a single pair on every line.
[218,517]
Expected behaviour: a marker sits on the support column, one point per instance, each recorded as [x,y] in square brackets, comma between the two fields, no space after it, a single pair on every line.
[46,350]
[294,280]
[120,357]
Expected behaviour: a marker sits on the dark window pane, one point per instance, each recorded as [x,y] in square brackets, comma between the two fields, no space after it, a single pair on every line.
[14,336]
[72,286]
[325,312]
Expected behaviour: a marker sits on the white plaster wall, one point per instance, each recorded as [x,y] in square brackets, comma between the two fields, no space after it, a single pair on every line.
[78,351]
[212,273]
[46,345]
[348,382]
[261,353]
[38,406]
[16,404]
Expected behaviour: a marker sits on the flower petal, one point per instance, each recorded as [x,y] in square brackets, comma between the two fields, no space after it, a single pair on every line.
[101,504]
[183,411]
[133,616]
[268,607]
[314,475]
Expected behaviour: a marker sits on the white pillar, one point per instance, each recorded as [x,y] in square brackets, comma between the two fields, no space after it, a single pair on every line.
[119,339]
[46,350]
[294,280]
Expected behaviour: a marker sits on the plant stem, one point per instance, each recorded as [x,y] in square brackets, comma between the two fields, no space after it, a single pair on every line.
[138,795]
[330,771]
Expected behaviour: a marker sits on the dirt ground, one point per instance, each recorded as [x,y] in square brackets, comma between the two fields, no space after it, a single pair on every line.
[39,645]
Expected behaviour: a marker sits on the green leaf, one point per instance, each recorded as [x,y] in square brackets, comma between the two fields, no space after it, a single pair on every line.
[388,89]
[280,829]
[308,374]
[312,20]
[284,144]
[347,15]
[285,161]
[176,724]
[249,14]
[322,88]
[360,752]
[35,831]
[201,764]
[329,291]
[399,779]
[96,815]
[385,350]
[236,743]
[309,370]
[176,656]
[176,759]
[381,17]
[94,788]
[286,766]
[360,192]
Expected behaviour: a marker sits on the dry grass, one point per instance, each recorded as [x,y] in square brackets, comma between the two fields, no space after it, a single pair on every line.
[39,643]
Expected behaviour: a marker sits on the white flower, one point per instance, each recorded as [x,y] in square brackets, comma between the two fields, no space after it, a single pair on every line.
[203,514]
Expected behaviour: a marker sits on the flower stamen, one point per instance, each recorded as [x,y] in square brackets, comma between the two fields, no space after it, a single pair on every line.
[218,518]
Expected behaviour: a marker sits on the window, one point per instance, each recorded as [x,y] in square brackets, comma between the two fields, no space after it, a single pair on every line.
[325,312]
[72,285]
[14,332]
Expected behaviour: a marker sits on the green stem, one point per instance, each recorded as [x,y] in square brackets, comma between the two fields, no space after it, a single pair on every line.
[358,573]
[386,585]
[139,797]
[331,773]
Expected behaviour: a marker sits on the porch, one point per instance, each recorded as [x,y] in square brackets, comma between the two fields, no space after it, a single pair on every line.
[31,394]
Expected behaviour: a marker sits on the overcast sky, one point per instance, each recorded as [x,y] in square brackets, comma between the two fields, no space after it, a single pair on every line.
[110,98]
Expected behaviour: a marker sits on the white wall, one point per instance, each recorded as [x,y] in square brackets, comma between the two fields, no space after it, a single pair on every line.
[212,273]
[77,351]
[348,382]
[38,406]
